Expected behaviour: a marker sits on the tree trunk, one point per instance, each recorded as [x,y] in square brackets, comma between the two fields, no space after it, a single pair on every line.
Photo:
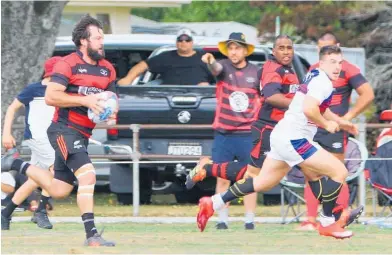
[28,35]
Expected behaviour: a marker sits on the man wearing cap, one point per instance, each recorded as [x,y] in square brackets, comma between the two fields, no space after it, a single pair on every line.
[177,67]
[238,102]
[38,117]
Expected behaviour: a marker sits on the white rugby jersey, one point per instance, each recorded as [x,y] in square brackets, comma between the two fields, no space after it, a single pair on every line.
[295,124]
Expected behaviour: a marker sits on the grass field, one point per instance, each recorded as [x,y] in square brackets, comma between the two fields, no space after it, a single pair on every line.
[26,238]
[163,205]
[65,238]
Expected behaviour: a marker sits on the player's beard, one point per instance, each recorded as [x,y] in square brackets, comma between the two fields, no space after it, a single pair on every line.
[94,54]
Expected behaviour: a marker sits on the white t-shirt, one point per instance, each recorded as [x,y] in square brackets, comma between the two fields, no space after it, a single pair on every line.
[39,115]
[295,124]
[7,178]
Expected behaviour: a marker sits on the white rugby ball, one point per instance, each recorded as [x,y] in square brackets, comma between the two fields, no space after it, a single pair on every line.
[109,102]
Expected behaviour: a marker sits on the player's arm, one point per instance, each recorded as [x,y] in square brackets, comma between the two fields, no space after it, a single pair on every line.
[329,115]
[315,95]
[312,111]
[135,71]
[55,94]
[215,67]
[343,123]
[8,139]
[271,84]
[366,95]
[112,87]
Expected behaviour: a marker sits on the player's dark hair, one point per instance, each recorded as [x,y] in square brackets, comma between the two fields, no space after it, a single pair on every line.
[329,36]
[81,29]
[328,50]
[281,37]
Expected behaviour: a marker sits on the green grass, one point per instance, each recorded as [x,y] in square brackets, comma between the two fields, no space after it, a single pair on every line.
[26,238]
[163,205]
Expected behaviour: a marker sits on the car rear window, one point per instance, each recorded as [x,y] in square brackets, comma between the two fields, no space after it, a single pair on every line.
[122,60]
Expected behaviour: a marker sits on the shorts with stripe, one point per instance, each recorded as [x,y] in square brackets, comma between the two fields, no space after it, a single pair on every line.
[70,148]
[261,143]
[293,151]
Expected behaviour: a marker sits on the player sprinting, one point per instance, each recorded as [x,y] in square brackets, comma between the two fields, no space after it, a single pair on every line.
[38,119]
[292,144]
[350,79]
[85,71]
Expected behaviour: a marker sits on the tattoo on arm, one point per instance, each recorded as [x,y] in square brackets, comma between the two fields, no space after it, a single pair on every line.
[215,68]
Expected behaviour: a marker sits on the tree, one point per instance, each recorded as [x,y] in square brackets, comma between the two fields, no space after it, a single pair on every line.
[309,19]
[28,35]
[199,11]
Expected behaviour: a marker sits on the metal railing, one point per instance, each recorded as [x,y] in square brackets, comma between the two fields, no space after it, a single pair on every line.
[136,156]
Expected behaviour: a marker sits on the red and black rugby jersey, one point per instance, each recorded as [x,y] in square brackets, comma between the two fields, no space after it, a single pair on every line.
[81,78]
[276,79]
[238,98]
[350,78]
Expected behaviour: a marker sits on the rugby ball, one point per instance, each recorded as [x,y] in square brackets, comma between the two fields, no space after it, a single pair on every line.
[109,102]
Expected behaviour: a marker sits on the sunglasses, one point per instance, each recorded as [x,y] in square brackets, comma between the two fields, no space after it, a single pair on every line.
[184,40]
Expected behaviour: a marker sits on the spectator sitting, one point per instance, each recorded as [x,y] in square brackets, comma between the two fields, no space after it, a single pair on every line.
[177,67]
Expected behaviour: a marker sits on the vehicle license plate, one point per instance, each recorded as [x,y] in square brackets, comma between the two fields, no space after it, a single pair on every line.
[188,150]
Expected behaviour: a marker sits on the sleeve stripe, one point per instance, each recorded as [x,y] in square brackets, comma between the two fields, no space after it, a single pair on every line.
[59,78]
[271,88]
[357,80]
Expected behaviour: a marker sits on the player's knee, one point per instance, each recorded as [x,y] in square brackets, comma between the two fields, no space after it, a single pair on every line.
[88,179]
[344,175]
[86,175]
[340,175]
[86,185]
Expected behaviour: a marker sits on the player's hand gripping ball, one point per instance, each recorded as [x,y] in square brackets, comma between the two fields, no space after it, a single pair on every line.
[109,103]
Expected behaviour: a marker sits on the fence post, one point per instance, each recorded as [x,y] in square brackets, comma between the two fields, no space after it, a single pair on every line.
[135,167]
[362,181]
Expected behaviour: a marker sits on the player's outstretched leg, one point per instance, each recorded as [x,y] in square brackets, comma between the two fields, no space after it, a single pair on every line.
[327,191]
[270,175]
[232,171]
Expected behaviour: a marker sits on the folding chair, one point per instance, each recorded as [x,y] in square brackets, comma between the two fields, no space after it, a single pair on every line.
[378,173]
[290,185]
[293,184]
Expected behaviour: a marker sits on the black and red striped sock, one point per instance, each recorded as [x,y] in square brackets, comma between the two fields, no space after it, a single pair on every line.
[232,171]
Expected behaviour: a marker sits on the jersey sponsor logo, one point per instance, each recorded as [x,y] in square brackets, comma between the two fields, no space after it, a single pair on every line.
[239,101]
[82,70]
[77,145]
[293,88]
[337,145]
[89,90]
[250,79]
[104,72]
